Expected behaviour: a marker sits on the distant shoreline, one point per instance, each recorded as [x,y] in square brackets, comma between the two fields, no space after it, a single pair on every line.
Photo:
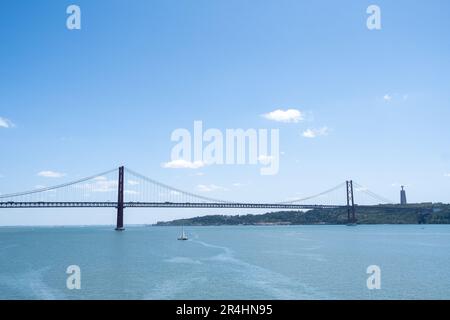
[431,214]
[168,225]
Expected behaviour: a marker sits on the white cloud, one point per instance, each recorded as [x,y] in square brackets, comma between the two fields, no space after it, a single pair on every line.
[309,134]
[265,160]
[447,175]
[131,192]
[133,182]
[100,184]
[290,115]
[183,164]
[238,185]
[396,97]
[6,123]
[198,174]
[313,133]
[210,188]
[51,174]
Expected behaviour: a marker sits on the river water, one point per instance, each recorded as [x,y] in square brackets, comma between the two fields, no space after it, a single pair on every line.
[236,262]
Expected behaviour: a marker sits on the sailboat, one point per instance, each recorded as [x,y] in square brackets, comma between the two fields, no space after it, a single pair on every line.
[183,235]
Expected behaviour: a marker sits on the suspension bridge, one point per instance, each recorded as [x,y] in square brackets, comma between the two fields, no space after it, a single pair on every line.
[124,188]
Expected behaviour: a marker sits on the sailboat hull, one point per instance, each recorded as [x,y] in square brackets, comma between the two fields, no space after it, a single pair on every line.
[183,235]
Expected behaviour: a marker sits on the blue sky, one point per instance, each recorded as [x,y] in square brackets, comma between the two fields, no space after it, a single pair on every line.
[84,101]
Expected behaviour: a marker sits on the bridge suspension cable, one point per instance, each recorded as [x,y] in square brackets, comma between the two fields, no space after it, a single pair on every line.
[60,186]
[321,194]
[102,188]
[177,193]
[373,195]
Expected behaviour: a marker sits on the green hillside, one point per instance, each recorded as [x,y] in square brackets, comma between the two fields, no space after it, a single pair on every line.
[426,214]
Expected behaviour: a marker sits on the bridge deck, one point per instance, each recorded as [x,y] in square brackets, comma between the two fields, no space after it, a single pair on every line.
[225,205]
[158,205]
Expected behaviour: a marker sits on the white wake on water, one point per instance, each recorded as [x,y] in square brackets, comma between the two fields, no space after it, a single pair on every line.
[31,284]
[272,283]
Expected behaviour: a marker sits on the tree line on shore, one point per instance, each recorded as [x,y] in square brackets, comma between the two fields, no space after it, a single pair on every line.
[425,214]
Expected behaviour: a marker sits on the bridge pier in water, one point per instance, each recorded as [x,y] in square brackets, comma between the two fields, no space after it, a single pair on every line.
[119,225]
[351,213]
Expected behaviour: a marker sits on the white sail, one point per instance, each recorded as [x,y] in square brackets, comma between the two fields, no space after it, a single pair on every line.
[183,234]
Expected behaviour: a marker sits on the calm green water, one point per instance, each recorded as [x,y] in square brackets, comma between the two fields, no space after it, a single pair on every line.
[302,262]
